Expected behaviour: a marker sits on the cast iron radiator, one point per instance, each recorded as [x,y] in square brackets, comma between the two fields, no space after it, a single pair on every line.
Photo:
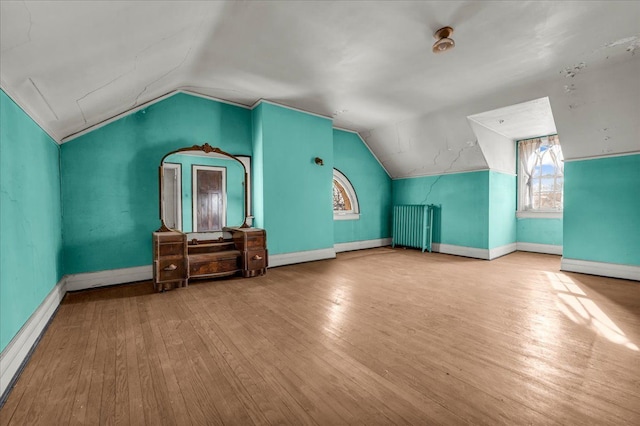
[413,226]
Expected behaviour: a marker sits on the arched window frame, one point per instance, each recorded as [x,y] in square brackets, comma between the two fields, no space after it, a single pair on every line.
[354,212]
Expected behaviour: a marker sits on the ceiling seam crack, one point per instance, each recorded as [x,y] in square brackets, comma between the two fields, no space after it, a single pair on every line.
[135,102]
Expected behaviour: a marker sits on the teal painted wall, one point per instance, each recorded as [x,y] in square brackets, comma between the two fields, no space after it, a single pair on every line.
[502,209]
[463,218]
[234,187]
[372,186]
[540,231]
[30,217]
[602,210]
[110,177]
[257,172]
[296,208]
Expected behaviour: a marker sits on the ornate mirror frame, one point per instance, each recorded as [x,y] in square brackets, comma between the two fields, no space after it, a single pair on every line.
[207,149]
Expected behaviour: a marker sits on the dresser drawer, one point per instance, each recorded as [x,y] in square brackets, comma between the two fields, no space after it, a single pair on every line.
[255,241]
[169,237]
[170,269]
[256,259]
[213,263]
[171,249]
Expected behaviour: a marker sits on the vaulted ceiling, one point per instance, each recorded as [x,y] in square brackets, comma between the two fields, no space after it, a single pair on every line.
[368,65]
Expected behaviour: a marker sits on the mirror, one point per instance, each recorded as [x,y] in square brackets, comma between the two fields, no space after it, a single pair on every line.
[203,189]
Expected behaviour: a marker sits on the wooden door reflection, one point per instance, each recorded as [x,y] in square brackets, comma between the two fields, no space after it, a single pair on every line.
[210,199]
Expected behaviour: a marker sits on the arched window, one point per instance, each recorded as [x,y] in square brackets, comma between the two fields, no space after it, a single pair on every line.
[541,175]
[345,201]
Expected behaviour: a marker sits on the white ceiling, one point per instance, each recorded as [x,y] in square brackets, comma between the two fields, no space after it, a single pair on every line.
[74,64]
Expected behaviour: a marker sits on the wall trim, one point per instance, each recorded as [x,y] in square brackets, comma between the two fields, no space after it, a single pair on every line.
[615,270]
[188,90]
[14,357]
[369,148]
[476,253]
[503,172]
[540,248]
[300,257]
[528,214]
[264,101]
[28,111]
[363,244]
[193,91]
[117,117]
[346,216]
[597,157]
[365,144]
[497,252]
[344,129]
[89,280]
[443,173]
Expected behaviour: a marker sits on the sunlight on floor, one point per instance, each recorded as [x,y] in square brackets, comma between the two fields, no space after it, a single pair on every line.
[339,294]
[579,308]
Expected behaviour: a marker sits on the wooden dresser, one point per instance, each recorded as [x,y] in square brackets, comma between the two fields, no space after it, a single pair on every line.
[176,260]
[169,260]
[252,244]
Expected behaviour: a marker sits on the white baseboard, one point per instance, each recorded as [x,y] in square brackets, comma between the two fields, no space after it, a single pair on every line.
[627,272]
[18,349]
[461,250]
[497,252]
[113,276]
[301,256]
[476,253]
[364,244]
[540,248]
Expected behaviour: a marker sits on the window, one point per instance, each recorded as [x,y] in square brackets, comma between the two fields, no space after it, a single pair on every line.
[345,202]
[172,195]
[540,177]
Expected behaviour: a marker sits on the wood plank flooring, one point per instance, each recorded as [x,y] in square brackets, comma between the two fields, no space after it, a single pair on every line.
[382,336]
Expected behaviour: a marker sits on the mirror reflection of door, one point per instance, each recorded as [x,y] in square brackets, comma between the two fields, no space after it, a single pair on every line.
[172,195]
[209,198]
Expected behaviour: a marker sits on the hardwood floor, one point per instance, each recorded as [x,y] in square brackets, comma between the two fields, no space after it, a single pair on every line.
[383,336]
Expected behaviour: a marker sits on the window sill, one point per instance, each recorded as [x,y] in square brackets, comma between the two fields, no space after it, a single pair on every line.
[528,214]
[346,216]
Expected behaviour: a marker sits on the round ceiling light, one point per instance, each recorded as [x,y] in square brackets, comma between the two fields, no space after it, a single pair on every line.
[444,43]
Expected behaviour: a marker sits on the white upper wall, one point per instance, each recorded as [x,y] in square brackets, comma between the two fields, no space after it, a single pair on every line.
[596,113]
[499,150]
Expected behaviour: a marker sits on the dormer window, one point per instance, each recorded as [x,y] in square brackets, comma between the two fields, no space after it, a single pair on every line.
[540,177]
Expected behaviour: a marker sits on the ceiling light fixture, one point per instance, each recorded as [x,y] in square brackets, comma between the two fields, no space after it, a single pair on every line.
[444,43]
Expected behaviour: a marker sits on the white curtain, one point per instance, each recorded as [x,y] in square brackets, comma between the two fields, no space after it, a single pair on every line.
[528,151]
[558,161]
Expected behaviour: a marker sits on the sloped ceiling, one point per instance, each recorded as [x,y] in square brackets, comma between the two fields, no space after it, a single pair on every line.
[368,65]
[520,121]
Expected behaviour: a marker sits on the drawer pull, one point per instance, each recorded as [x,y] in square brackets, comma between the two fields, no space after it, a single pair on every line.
[171,267]
[256,257]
